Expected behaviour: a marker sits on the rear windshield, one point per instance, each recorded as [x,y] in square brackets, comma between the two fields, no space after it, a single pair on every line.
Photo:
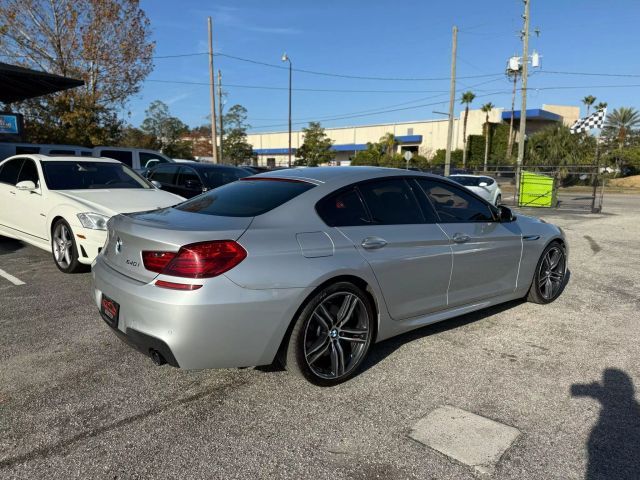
[83,174]
[245,198]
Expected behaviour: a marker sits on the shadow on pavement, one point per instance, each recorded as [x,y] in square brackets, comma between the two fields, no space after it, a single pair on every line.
[614,442]
[385,348]
[9,245]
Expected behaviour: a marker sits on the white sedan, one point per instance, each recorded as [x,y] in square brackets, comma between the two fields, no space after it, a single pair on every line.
[481,185]
[62,204]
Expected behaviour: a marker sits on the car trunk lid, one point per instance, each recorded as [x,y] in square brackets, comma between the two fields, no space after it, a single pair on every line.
[165,230]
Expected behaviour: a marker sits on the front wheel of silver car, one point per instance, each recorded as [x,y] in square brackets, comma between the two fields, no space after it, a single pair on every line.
[550,275]
[332,335]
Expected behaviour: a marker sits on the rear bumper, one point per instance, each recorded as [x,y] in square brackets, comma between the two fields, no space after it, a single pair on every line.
[145,344]
[221,325]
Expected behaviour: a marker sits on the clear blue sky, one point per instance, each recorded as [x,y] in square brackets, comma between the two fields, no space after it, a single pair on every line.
[407,39]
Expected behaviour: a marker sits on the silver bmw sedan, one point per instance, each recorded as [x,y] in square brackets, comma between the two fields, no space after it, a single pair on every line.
[312,266]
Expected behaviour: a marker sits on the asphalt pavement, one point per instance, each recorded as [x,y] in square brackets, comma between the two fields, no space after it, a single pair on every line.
[75,402]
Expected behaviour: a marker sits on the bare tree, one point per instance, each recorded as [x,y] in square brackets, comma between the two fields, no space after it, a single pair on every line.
[104,42]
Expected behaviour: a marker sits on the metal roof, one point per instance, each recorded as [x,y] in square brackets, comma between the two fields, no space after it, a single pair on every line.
[19,83]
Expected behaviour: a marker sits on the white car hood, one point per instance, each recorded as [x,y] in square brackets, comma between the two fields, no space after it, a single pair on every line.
[122,200]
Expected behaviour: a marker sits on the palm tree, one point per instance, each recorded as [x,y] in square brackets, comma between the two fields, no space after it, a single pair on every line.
[620,122]
[588,101]
[486,108]
[466,99]
[388,142]
[512,74]
[601,106]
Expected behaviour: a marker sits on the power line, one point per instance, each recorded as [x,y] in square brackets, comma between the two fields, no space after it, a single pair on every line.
[593,74]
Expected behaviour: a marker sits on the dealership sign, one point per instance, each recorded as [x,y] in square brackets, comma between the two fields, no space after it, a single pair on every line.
[9,124]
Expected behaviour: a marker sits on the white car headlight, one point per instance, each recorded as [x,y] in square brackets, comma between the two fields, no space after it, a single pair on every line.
[94,221]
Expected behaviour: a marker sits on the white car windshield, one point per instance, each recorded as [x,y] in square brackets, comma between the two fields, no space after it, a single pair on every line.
[84,175]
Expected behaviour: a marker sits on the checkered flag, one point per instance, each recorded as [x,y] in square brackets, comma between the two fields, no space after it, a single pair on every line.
[595,120]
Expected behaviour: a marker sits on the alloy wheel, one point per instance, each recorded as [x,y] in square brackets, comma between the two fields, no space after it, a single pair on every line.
[62,246]
[337,335]
[552,272]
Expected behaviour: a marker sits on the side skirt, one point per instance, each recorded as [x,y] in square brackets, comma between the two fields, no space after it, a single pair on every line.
[391,328]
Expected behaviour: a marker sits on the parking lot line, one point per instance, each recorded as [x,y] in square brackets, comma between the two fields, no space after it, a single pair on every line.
[11,278]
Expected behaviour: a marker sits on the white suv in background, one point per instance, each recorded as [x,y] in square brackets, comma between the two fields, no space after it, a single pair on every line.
[10,149]
[137,158]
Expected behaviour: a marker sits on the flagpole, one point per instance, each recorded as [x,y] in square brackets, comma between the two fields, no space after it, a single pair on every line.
[595,176]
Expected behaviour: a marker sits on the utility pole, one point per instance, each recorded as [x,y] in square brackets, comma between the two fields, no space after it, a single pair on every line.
[523,109]
[221,156]
[214,142]
[452,99]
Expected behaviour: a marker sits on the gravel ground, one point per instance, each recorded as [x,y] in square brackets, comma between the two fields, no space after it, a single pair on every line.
[75,402]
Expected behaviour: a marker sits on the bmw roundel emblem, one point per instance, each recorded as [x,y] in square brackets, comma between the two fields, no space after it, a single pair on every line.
[118,248]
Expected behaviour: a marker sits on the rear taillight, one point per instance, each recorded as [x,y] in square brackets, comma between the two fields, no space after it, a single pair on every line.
[198,260]
[157,261]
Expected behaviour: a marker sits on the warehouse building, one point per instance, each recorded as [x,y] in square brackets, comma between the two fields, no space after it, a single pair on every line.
[421,137]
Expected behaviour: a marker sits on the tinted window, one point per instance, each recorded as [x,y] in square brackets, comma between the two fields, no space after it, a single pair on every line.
[146,157]
[85,153]
[84,174]
[24,150]
[120,155]
[9,171]
[215,177]
[391,202]
[29,171]
[164,174]
[343,209]
[188,175]
[453,204]
[246,198]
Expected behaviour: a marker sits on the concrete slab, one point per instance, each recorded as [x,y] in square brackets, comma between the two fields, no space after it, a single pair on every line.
[464,436]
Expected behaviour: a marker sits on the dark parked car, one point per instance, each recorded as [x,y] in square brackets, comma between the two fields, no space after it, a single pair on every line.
[189,180]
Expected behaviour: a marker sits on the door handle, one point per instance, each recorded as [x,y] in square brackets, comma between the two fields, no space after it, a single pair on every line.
[461,237]
[371,243]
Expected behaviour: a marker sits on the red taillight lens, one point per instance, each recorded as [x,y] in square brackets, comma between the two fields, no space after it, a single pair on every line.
[198,260]
[157,261]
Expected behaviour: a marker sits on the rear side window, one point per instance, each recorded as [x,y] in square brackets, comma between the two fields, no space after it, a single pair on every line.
[120,155]
[149,159]
[391,202]
[25,150]
[9,171]
[164,174]
[343,209]
[246,198]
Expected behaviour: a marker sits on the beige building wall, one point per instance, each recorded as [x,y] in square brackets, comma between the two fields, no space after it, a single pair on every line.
[433,132]
[568,113]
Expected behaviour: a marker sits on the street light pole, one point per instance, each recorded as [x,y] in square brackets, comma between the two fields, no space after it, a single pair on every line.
[285,58]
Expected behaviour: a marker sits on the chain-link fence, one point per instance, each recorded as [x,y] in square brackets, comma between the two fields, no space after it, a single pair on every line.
[566,187]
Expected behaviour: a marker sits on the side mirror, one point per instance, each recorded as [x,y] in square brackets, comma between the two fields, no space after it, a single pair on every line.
[156,184]
[193,185]
[26,185]
[482,184]
[505,214]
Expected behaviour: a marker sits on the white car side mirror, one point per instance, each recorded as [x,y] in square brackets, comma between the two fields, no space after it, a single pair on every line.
[482,184]
[156,184]
[26,185]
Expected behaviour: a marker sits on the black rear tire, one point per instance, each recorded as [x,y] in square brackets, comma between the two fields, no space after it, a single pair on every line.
[331,336]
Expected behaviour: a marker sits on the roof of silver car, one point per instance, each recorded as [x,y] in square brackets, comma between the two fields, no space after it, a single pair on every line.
[329,174]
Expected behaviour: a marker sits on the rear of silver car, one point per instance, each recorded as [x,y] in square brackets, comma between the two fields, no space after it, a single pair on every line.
[194,322]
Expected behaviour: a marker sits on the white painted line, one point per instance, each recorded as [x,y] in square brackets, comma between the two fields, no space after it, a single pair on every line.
[11,278]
